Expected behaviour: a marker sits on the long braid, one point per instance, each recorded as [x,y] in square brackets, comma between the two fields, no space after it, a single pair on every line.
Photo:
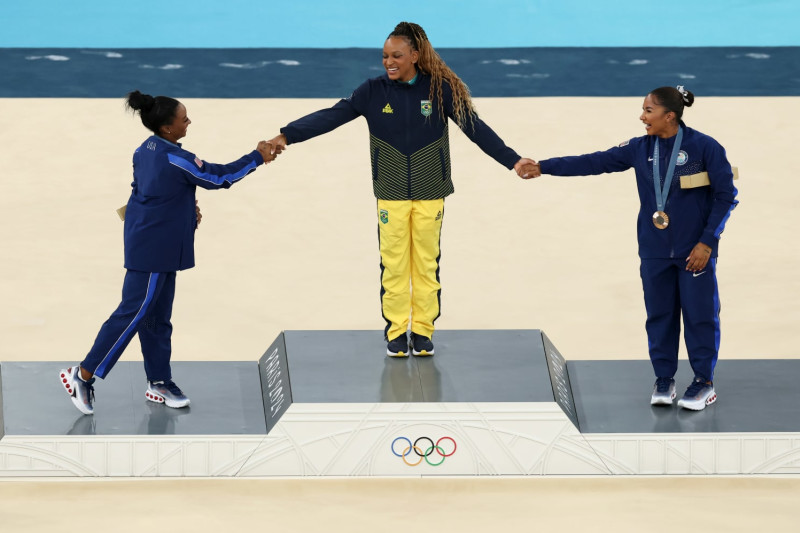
[432,64]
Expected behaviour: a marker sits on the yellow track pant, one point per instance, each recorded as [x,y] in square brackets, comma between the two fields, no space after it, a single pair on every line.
[409,233]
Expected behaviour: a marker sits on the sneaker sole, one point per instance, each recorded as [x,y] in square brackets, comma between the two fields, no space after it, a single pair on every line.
[698,406]
[662,401]
[423,353]
[398,354]
[65,377]
[157,398]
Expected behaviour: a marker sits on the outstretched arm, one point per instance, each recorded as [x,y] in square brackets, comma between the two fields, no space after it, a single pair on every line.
[212,175]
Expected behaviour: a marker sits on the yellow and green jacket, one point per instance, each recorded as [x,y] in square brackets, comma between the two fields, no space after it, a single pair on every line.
[409,146]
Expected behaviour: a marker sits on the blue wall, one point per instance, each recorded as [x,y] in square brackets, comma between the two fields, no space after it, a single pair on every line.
[365,23]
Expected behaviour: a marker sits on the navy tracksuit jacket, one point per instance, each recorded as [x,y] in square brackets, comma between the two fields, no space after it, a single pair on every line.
[409,143]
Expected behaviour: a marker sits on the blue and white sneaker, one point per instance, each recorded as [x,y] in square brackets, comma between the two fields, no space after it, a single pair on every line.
[80,392]
[398,347]
[421,346]
[699,394]
[663,392]
[166,392]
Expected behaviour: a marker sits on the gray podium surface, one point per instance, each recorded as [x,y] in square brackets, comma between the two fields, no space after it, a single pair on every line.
[226,400]
[352,367]
[754,396]
[469,366]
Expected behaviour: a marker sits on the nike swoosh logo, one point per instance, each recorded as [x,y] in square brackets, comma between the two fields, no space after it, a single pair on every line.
[695,274]
[649,158]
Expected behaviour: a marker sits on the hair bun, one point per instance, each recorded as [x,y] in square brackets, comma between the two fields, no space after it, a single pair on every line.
[140,102]
[686,96]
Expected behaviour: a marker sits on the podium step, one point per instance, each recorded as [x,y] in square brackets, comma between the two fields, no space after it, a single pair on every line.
[330,403]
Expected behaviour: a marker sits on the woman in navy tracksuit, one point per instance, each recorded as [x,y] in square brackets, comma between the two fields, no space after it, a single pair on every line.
[160,220]
[678,231]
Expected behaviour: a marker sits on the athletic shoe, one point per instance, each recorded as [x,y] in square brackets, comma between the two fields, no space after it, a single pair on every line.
[421,345]
[398,347]
[80,392]
[166,392]
[663,392]
[699,394]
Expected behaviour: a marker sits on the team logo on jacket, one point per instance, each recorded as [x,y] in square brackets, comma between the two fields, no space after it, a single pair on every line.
[388,109]
[198,162]
[425,108]
[683,157]
[384,216]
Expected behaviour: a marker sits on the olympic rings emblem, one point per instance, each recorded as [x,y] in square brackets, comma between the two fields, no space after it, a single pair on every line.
[428,450]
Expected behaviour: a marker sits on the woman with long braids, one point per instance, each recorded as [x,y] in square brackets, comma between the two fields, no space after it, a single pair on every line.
[407,111]
[160,220]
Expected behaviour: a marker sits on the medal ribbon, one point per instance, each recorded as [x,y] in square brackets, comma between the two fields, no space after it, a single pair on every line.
[661,194]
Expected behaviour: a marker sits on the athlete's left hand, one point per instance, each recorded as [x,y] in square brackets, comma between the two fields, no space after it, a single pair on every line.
[698,258]
[197,210]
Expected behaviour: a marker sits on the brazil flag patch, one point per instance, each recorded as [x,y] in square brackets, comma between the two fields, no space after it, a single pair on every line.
[425,108]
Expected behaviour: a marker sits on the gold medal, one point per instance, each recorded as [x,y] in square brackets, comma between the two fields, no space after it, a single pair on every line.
[660,220]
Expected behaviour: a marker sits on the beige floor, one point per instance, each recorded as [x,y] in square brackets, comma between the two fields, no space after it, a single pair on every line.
[294,247]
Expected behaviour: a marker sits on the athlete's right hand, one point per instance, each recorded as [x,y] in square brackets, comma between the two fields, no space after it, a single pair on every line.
[278,143]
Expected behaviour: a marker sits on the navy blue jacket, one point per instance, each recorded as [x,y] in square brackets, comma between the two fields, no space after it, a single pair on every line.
[695,215]
[160,217]
[409,145]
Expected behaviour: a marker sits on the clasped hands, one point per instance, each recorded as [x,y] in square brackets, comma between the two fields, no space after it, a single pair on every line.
[527,168]
[269,150]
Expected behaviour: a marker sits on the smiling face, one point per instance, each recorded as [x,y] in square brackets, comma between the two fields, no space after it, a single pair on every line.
[177,128]
[657,119]
[399,59]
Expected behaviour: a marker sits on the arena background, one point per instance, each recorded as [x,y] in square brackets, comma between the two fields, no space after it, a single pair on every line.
[293,246]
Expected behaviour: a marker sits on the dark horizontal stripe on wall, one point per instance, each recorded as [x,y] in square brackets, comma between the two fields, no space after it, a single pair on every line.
[334,73]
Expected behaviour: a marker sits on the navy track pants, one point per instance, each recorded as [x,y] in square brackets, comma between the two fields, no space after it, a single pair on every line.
[670,291]
[146,309]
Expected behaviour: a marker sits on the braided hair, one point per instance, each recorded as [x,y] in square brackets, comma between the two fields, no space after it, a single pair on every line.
[432,64]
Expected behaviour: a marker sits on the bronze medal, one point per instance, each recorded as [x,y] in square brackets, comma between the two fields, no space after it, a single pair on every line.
[660,220]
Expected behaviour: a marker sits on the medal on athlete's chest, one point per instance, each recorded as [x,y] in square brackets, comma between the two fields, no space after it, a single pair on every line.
[660,220]
[660,217]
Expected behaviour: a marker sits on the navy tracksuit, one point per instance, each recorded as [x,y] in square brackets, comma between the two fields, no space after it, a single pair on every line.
[696,215]
[160,220]
[409,139]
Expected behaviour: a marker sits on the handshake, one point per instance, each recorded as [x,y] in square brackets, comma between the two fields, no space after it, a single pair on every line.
[527,168]
[269,150]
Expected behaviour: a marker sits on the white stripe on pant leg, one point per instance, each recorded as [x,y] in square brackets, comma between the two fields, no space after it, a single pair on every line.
[137,317]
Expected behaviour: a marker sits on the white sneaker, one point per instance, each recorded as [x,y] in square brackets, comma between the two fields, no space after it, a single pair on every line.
[166,392]
[80,392]
[663,392]
[699,394]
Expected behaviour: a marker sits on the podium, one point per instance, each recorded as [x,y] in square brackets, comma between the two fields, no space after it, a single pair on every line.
[330,403]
